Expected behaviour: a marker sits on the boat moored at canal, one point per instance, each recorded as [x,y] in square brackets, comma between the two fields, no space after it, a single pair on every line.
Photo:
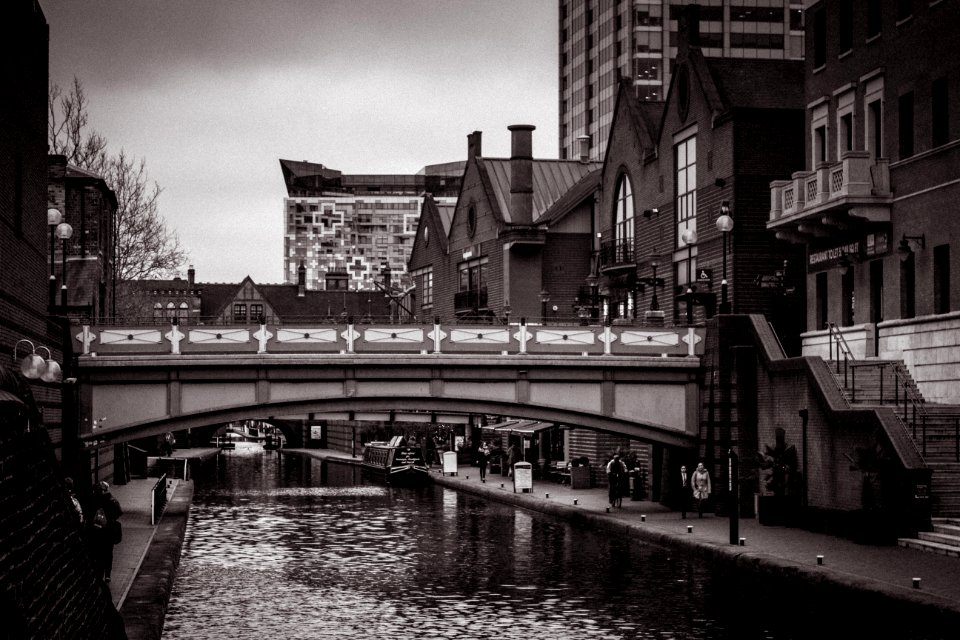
[394,462]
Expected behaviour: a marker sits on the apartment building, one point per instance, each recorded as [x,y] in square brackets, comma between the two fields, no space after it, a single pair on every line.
[604,41]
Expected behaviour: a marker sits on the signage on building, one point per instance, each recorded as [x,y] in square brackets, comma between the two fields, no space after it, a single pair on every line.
[316,432]
[876,244]
[833,254]
[705,275]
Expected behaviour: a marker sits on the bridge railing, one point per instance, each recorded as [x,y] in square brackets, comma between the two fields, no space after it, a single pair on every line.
[520,338]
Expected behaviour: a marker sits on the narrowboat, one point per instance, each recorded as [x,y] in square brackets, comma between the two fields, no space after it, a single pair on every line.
[395,462]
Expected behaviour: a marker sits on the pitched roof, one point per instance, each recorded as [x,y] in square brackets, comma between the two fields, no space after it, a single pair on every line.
[573,197]
[551,180]
[757,84]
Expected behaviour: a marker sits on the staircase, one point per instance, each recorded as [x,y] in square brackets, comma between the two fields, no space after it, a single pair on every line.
[944,539]
[935,428]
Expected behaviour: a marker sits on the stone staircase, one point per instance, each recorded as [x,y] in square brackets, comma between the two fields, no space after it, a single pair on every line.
[935,428]
[944,539]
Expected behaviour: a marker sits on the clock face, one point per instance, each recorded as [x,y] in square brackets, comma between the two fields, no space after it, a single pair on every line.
[683,92]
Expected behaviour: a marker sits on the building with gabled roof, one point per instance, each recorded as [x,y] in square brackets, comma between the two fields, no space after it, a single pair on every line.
[516,238]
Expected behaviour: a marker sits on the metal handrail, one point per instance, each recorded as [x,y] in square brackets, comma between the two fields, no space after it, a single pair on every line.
[835,335]
[158,499]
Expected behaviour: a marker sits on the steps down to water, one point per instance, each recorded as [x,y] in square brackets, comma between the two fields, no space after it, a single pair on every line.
[944,539]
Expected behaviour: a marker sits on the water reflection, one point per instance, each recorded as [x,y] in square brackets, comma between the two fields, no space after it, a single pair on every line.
[294,548]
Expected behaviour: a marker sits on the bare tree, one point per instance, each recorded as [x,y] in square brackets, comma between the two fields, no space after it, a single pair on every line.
[68,133]
[143,246]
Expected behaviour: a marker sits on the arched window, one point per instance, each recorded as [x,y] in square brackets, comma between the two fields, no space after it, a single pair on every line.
[171,310]
[623,220]
[183,311]
[157,310]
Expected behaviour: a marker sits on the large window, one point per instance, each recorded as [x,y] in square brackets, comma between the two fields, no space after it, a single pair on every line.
[623,220]
[685,153]
[819,38]
[908,280]
[426,289]
[822,302]
[845,123]
[473,276]
[876,291]
[239,313]
[846,25]
[873,111]
[818,132]
[256,311]
[940,112]
[848,297]
[874,17]
[906,125]
[941,279]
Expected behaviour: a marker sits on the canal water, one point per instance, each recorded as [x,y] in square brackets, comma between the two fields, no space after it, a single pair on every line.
[294,548]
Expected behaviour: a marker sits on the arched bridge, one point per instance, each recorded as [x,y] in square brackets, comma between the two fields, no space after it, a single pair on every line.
[139,381]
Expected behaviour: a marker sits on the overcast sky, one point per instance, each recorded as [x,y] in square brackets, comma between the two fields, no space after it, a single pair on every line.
[212,93]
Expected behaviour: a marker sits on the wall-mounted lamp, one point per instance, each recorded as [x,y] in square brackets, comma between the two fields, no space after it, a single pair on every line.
[905,250]
[845,265]
[33,365]
[647,213]
[724,226]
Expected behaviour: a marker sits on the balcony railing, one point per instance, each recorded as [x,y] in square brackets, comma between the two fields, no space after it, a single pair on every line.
[470,300]
[615,253]
[856,179]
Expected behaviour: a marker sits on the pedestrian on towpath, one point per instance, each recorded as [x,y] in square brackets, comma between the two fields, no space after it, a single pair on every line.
[104,528]
[684,491]
[701,487]
[616,473]
[511,458]
[483,456]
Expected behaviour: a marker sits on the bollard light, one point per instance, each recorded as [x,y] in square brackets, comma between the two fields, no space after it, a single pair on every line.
[819,559]
[546,495]
[643,517]
[689,528]
[608,509]
[743,542]
[575,501]
[916,583]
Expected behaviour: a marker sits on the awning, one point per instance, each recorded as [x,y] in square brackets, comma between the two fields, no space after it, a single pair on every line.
[526,427]
[6,396]
[500,426]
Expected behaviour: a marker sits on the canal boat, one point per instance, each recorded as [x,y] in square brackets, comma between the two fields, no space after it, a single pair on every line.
[394,462]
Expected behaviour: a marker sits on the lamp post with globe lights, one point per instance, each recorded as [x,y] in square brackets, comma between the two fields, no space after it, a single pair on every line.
[64,232]
[724,226]
[54,218]
[689,237]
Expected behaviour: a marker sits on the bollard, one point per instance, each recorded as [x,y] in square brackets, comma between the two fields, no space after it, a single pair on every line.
[501,485]
[689,528]
[546,495]
[819,559]
[743,541]
[916,583]
[643,518]
[468,477]
[608,509]
[575,501]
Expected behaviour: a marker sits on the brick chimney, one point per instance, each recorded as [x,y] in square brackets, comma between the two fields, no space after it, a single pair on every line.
[474,149]
[584,142]
[301,280]
[521,173]
[191,275]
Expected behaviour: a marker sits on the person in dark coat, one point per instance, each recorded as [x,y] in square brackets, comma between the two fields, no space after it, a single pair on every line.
[104,528]
[512,458]
[685,491]
[483,457]
[616,473]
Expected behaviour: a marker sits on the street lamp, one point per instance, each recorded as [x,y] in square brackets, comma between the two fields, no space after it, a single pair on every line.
[544,299]
[33,366]
[54,217]
[724,226]
[64,232]
[689,237]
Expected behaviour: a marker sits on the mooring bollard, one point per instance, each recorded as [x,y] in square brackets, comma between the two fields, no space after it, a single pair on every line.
[643,518]
[743,541]
[916,583]
[819,559]
[689,528]
[575,501]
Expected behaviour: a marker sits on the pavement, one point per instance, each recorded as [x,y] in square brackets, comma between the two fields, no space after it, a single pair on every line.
[904,575]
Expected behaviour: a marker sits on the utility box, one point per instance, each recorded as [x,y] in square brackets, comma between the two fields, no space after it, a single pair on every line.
[522,477]
[450,463]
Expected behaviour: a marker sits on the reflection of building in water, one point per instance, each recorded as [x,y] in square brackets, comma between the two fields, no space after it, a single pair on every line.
[354,225]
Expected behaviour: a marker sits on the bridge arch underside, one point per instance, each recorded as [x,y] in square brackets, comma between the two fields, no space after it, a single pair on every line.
[302,409]
[649,399]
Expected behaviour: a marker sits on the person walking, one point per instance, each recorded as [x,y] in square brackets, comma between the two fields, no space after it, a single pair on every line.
[616,472]
[483,456]
[684,491]
[105,528]
[511,458]
[701,487]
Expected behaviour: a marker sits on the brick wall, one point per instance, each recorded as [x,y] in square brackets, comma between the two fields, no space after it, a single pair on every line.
[49,587]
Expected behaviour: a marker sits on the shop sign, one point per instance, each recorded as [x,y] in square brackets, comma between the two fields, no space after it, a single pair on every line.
[876,244]
[833,254]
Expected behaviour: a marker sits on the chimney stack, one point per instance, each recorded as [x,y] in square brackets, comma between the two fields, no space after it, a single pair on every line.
[301,280]
[584,148]
[521,173]
[474,149]
[191,275]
